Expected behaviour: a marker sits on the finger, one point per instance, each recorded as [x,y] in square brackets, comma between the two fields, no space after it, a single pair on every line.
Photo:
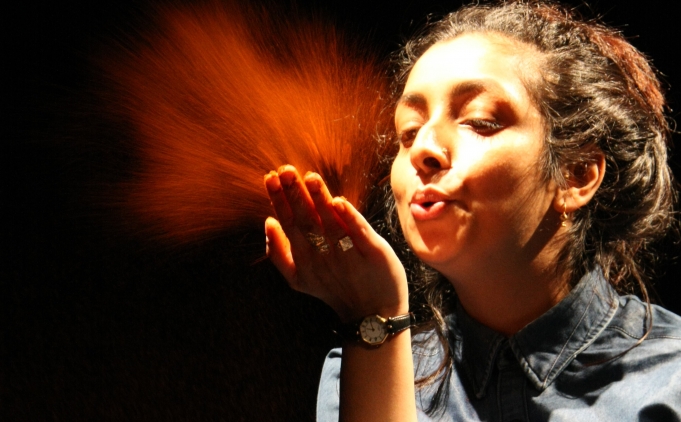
[305,216]
[360,231]
[333,227]
[300,242]
[295,267]
[279,251]
[278,199]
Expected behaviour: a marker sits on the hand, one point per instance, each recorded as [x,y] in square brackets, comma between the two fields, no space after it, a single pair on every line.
[363,280]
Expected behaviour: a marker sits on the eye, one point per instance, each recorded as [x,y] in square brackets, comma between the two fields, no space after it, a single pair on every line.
[482,126]
[407,137]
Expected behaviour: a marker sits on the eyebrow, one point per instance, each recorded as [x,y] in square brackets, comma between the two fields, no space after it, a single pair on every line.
[412,100]
[460,90]
[475,87]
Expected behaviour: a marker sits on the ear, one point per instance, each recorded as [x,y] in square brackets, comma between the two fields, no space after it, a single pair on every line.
[583,180]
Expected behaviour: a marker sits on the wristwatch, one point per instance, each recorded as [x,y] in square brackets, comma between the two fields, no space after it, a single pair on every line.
[373,330]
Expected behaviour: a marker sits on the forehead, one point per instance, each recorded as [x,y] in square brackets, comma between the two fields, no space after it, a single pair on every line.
[496,61]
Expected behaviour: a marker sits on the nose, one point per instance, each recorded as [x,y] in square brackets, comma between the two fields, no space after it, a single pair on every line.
[428,154]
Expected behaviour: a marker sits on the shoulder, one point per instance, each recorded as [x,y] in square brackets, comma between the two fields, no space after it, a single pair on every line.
[645,368]
[643,339]
[328,395]
[631,370]
[654,352]
[632,320]
[427,353]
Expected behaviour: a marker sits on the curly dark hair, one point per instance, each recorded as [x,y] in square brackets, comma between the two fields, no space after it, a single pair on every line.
[597,95]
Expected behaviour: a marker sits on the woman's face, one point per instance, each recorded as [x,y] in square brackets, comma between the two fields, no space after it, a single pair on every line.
[470,193]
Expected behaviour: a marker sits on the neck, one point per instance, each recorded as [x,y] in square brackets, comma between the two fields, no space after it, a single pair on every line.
[507,295]
[507,304]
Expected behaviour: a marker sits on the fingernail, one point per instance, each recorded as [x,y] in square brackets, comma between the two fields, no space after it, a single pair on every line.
[268,175]
[313,184]
[339,204]
[287,175]
[272,182]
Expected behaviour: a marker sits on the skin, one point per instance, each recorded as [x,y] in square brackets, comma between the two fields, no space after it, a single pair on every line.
[472,203]
[369,379]
[471,141]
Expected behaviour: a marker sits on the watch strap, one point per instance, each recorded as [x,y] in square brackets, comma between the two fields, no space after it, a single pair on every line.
[400,323]
[350,331]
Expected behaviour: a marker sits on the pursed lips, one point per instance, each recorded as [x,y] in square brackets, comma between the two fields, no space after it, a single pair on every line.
[427,204]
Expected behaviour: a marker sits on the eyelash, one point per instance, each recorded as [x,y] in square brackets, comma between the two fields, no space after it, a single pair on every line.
[406,138]
[483,126]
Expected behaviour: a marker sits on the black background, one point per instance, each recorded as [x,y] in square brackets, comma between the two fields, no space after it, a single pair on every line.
[100,326]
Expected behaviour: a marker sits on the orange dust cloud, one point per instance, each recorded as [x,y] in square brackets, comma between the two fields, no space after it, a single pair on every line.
[219,95]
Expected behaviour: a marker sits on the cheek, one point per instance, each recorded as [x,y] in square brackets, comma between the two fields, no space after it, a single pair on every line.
[397,182]
[493,182]
[503,176]
[514,199]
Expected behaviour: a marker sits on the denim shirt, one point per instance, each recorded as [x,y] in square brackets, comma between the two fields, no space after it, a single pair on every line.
[578,362]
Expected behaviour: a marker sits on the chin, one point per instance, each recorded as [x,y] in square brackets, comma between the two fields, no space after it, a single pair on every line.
[433,254]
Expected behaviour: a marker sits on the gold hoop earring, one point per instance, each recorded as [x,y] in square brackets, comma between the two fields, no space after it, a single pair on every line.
[564,217]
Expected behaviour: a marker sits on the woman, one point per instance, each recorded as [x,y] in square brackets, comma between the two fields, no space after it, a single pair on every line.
[532,177]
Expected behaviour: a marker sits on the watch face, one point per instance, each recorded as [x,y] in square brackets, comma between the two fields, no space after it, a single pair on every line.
[373,330]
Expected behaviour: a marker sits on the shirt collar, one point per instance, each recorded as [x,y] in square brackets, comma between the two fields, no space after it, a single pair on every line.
[545,346]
